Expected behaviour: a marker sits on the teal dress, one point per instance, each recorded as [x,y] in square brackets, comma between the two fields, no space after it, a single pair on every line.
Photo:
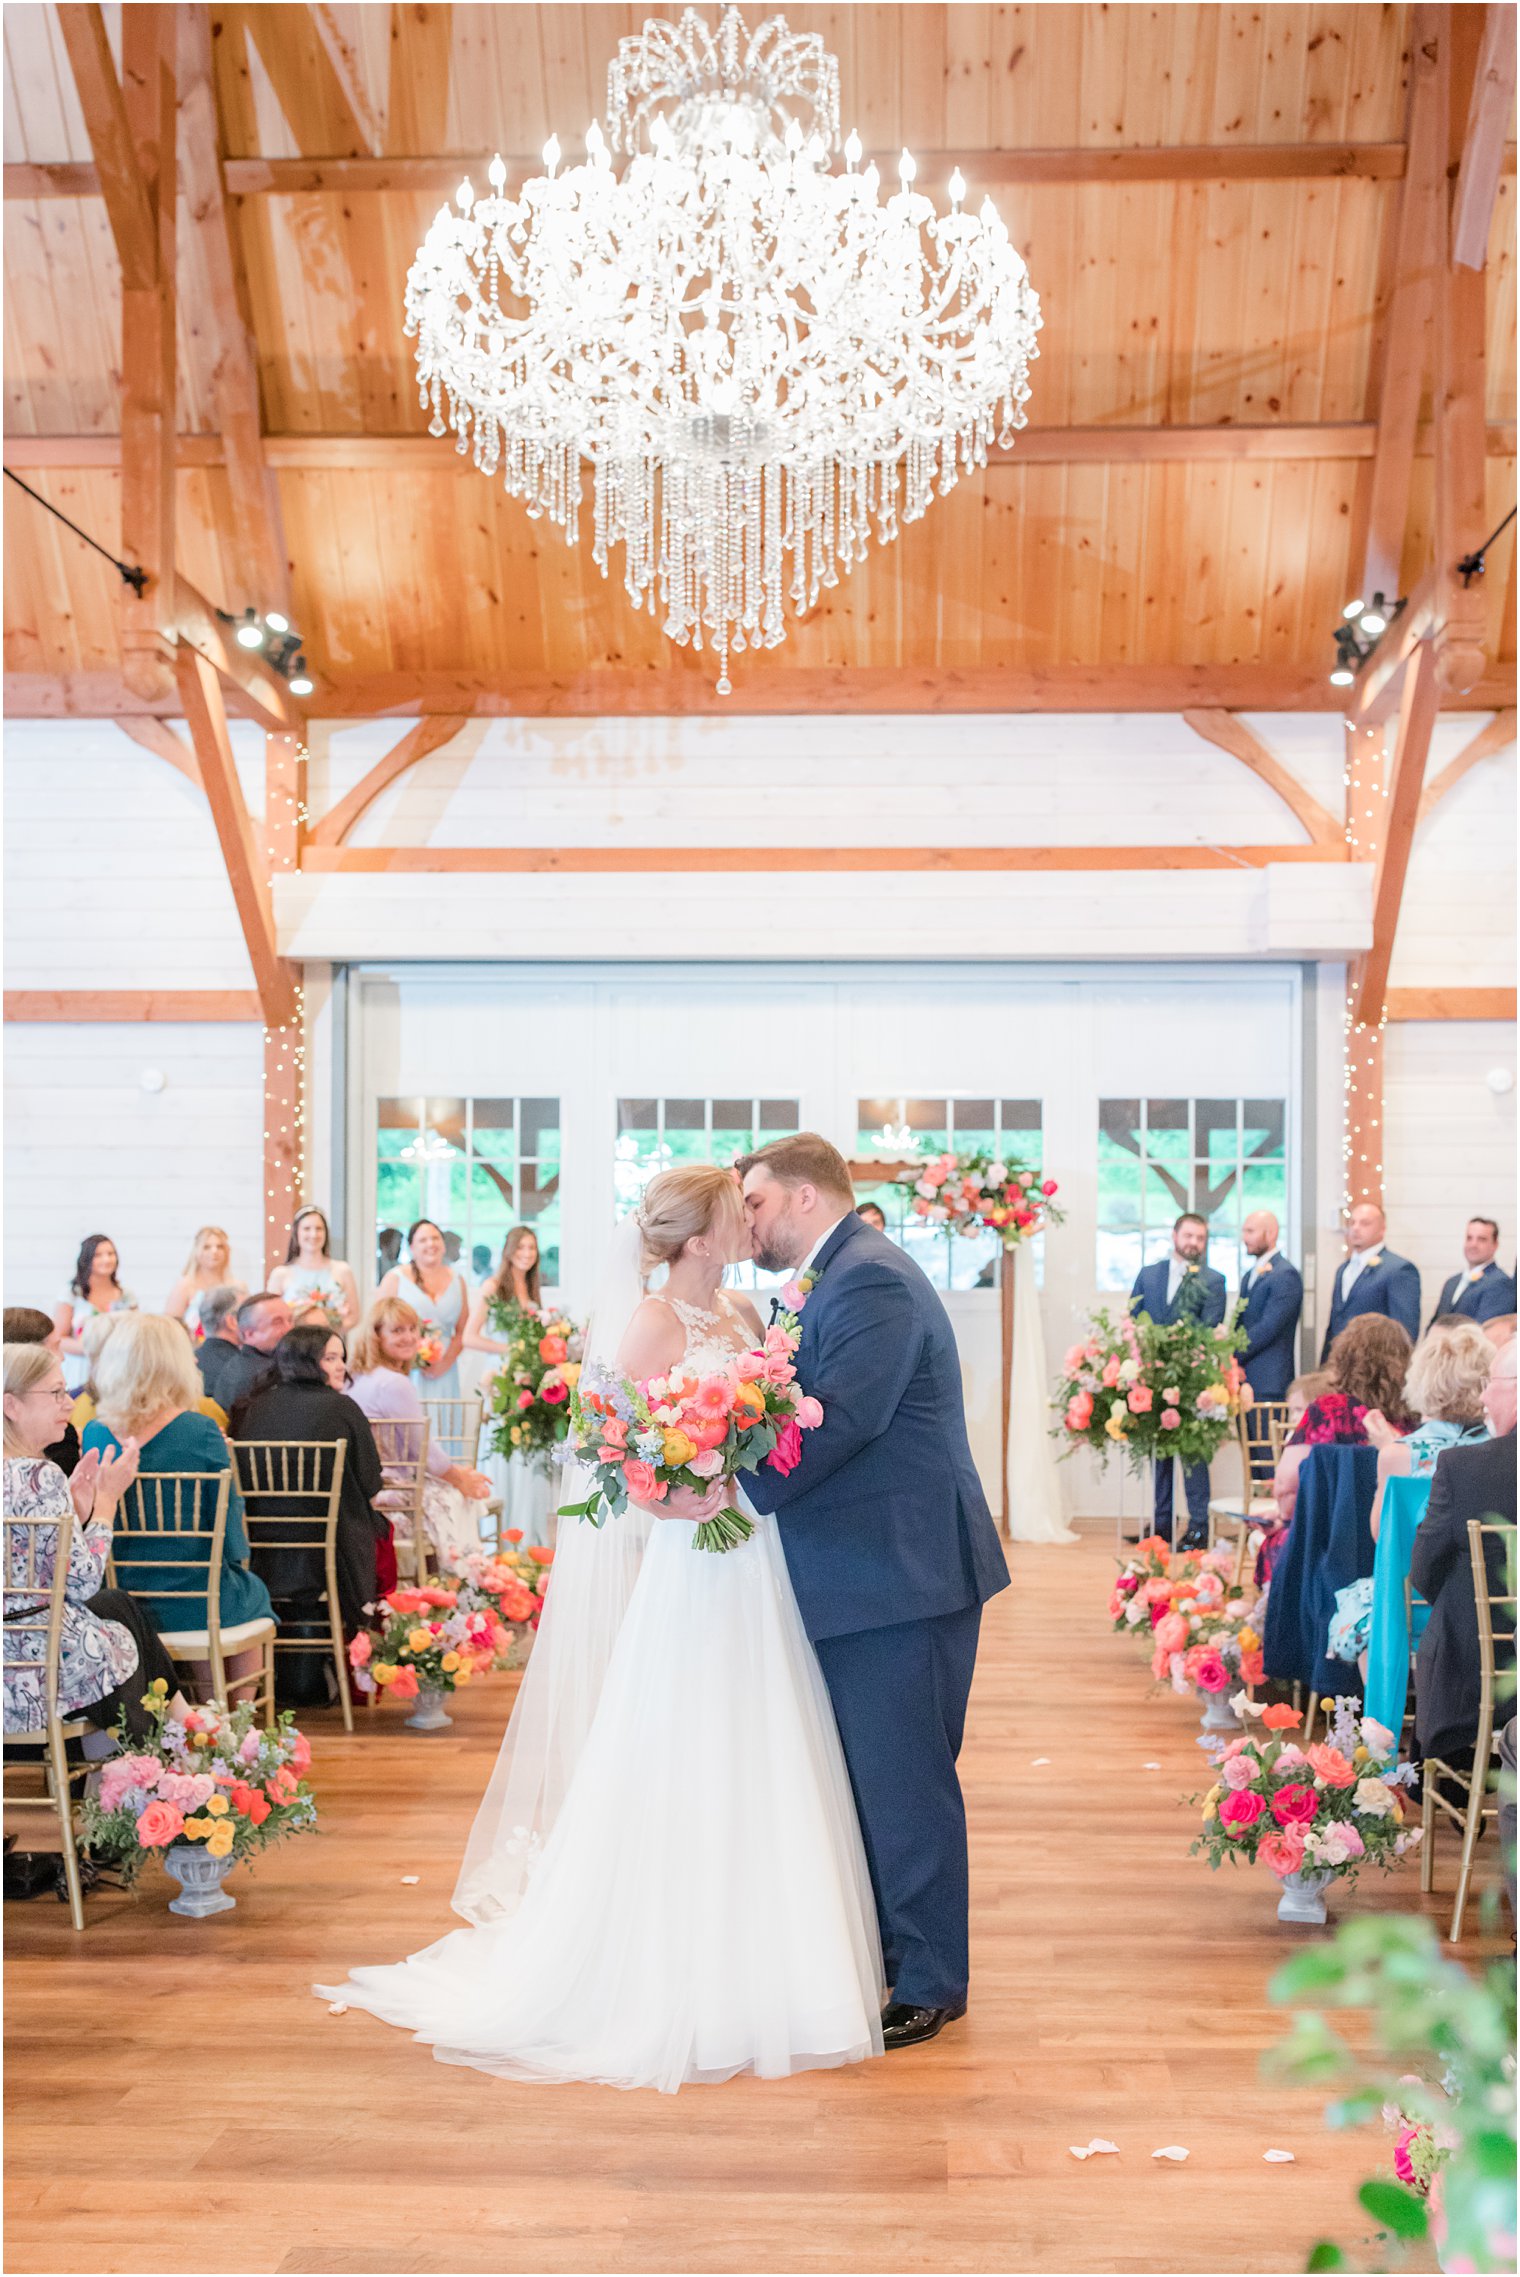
[191,1442]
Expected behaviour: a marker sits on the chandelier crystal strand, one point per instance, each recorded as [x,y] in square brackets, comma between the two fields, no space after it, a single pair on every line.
[762,363]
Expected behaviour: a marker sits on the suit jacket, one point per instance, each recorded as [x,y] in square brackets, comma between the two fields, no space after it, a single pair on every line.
[884,1519]
[229,1370]
[1484,1299]
[1272,1301]
[317,1412]
[1149,1293]
[1469,1482]
[1391,1286]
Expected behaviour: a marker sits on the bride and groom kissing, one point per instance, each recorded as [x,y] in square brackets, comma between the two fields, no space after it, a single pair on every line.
[726,1832]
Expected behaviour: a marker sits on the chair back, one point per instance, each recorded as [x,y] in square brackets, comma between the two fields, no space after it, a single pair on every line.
[403,1450]
[159,1513]
[32,1599]
[1257,1448]
[1491,1600]
[291,1491]
[1278,1428]
[455,1425]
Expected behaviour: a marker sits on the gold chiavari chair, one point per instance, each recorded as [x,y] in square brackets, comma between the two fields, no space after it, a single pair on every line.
[33,1609]
[1240,1511]
[456,1425]
[1478,1784]
[291,1490]
[403,1451]
[154,1519]
[1279,1425]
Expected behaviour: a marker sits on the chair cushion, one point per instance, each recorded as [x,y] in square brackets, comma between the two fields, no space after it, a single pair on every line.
[187,1644]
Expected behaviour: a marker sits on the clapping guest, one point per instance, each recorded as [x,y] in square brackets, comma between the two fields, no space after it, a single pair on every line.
[24,1324]
[312,1275]
[515,1281]
[1470,1482]
[384,1354]
[1174,1285]
[95,1288]
[110,1650]
[1482,1290]
[1372,1279]
[207,1269]
[437,1292]
[1368,1364]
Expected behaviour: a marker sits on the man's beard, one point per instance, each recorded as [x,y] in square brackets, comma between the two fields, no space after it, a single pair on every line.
[771,1256]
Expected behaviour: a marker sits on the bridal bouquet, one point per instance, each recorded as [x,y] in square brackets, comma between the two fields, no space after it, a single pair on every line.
[974,1193]
[683,1430]
[428,1641]
[1153,1391]
[1326,1810]
[215,1777]
[530,1394]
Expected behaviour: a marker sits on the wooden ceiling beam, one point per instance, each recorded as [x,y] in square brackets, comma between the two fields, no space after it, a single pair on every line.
[200,692]
[1451,1003]
[1493,99]
[117,175]
[1489,740]
[1461,490]
[316,78]
[1400,812]
[258,528]
[132,1004]
[157,736]
[1231,734]
[148,345]
[256,690]
[427,736]
[494,861]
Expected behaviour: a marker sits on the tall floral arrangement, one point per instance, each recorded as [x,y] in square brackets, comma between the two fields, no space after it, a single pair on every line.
[976,1193]
[531,1391]
[213,1776]
[1151,1390]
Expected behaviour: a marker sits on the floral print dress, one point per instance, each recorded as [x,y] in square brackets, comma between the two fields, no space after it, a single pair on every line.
[95,1656]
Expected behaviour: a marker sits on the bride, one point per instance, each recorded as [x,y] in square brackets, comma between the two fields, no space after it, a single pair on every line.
[666,1881]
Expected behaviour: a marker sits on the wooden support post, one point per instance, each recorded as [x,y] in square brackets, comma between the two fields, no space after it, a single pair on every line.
[285,1040]
[149,40]
[1461,499]
[1399,813]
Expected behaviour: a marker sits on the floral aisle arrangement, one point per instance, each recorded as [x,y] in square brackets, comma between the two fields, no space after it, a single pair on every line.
[201,1793]
[428,1644]
[1154,1391]
[511,1584]
[1313,1815]
[976,1193]
[642,1439]
[531,1392]
[1197,1621]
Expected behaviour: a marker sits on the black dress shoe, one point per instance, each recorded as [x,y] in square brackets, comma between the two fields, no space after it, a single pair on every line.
[1196,1538]
[904,2026]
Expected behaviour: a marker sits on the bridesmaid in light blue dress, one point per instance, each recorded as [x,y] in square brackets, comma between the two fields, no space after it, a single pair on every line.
[528,1491]
[440,1296]
[311,1275]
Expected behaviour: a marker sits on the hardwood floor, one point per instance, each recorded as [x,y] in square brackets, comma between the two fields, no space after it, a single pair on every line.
[177,2101]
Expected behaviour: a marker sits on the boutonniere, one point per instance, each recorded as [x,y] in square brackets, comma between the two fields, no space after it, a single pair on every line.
[1263,1269]
[1376,1258]
[794,1296]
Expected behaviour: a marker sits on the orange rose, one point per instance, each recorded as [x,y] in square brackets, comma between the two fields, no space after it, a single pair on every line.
[1332,1767]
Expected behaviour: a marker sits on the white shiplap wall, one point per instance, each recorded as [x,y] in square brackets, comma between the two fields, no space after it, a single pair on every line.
[1450,1152]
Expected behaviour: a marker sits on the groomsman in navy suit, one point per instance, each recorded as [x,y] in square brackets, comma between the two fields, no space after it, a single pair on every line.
[1483,1290]
[1372,1279]
[1172,1286]
[1271,1297]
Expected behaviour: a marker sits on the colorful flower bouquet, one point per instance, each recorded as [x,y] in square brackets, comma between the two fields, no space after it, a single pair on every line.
[975,1193]
[215,1778]
[428,1641]
[1311,1814]
[1153,1391]
[431,1346]
[510,1584]
[680,1430]
[530,1393]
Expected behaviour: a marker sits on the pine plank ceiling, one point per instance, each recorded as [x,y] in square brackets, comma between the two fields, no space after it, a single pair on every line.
[1197,303]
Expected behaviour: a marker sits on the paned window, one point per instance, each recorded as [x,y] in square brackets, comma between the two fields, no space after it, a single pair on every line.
[656,1134]
[1222,1158]
[895,1129]
[477,1167]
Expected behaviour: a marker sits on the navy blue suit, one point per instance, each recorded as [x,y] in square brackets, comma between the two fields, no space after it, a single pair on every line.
[1484,1299]
[1391,1286]
[1274,1297]
[892,1552]
[1149,1296]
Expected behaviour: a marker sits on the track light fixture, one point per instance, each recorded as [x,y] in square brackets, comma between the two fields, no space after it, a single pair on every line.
[274,635]
[1363,626]
[250,633]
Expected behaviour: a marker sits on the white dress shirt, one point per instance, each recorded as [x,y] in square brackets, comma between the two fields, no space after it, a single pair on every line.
[1351,1271]
[822,1238]
[1258,1265]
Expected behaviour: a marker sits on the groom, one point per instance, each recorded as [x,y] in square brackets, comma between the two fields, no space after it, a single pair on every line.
[891,1550]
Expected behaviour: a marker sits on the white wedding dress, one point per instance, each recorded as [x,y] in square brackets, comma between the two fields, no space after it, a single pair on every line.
[694,1902]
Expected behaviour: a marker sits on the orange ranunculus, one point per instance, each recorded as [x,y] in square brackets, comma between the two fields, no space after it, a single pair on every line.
[540,1556]
[1282,1719]
[407,1601]
[553,1349]
[513,1534]
[750,1395]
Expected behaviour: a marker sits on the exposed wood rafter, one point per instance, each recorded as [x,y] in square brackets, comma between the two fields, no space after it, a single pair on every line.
[1461,490]
[1495,737]
[157,736]
[1233,735]
[1396,827]
[117,176]
[1493,99]
[427,736]
[118,1004]
[200,692]
[1451,1003]
[493,861]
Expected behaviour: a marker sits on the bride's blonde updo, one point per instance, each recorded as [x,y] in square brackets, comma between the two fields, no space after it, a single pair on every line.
[682,1203]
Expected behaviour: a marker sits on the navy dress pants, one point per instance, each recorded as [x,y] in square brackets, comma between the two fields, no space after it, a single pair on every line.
[1195,1485]
[899,1698]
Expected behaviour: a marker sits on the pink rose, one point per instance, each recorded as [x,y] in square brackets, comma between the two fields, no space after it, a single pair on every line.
[793,1296]
[552,1394]
[1079,1411]
[777,1340]
[1049,1186]
[1026,1179]
[1074,1359]
[809,1412]
[525,1399]
[643,1484]
[1239,1771]
[1204,1668]
[359,1650]
[1141,1399]
[1295,1806]
[707,1464]
[1239,1812]
[787,1452]
[1332,1767]
[614,1432]
[1284,1852]
[1111,1372]
[1170,1420]
[748,1366]
[779,1369]
[158,1826]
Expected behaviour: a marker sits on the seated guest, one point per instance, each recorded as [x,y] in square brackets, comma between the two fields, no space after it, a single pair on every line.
[110,1651]
[384,1352]
[92,1341]
[148,1389]
[1482,1290]
[1444,1386]
[305,1400]
[219,1341]
[873,1216]
[1368,1363]
[1166,1290]
[1470,1482]
[24,1324]
[1500,1329]
[1302,1391]
[207,1269]
[261,1322]
[1372,1279]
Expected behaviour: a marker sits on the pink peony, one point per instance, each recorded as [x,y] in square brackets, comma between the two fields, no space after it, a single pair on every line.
[1170,1633]
[1239,1812]
[1073,1360]
[1141,1399]
[1295,1806]
[1284,1852]
[787,1452]
[643,1484]
[1239,1770]
[1170,1420]
[809,1413]
[1079,1411]
[793,1296]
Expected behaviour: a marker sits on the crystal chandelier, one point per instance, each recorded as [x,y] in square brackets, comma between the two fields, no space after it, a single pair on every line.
[762,362]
